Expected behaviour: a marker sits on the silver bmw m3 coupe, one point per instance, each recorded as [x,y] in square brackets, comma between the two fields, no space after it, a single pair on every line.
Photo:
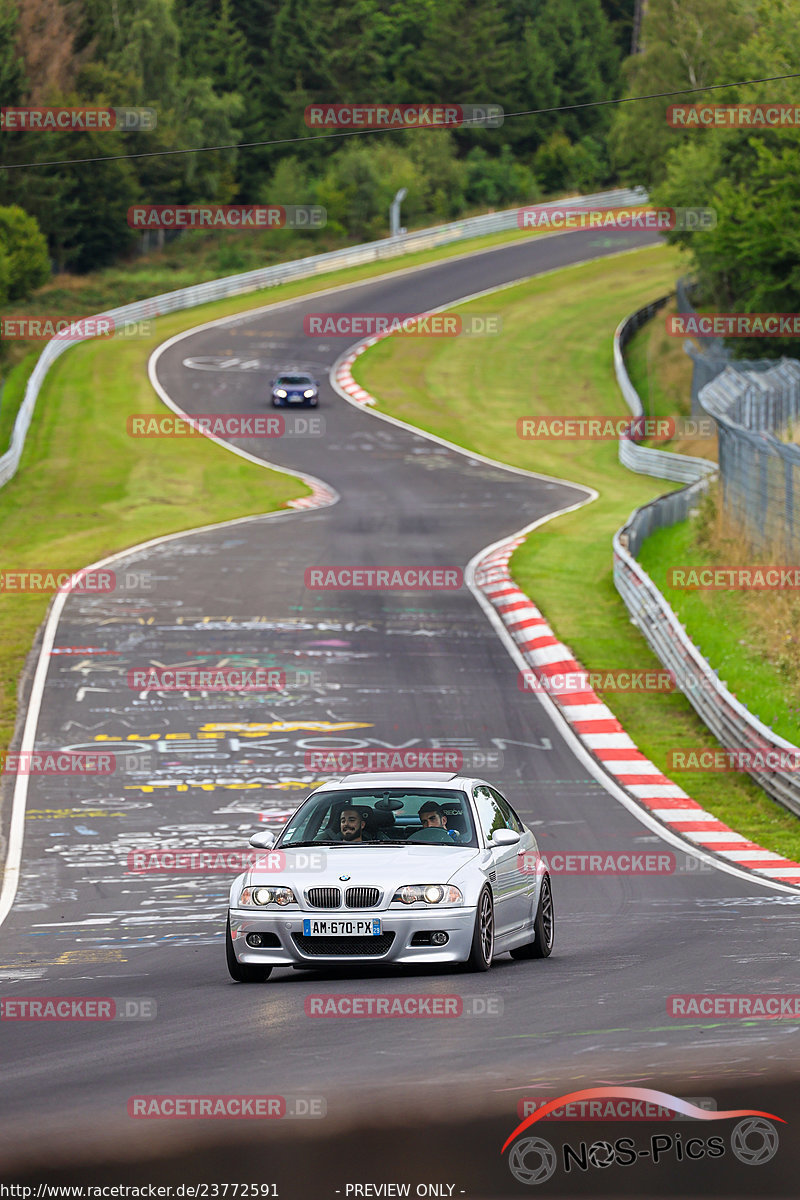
[403,869]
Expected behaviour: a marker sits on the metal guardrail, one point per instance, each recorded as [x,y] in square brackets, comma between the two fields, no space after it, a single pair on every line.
[645,460]
[734,726]
[302,268]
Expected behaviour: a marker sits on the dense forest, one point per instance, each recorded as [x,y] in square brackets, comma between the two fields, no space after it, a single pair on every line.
[220,72]
[238,75]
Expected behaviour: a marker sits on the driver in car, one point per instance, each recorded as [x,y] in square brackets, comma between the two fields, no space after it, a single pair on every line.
[351,825]
[432,816]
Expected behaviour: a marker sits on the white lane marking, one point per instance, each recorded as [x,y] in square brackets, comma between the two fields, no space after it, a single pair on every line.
[682,814]
[609,741]
[72,924]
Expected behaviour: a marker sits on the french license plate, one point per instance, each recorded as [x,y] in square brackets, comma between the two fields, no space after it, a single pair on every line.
[334,927]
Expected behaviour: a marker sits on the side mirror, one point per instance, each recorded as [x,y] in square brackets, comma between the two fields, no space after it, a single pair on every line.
[504,837]
[272,383]
[263,841]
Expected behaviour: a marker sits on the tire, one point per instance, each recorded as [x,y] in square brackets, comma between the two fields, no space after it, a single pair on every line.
[275,403]
[242,972]
[543,926]
[480,956]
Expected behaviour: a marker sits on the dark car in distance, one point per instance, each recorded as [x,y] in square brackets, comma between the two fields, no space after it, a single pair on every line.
[294,389]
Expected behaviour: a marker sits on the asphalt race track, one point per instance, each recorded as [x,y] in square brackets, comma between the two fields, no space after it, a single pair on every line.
[381,669]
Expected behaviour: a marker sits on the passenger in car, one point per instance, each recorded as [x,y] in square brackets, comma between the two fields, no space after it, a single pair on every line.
[432,816]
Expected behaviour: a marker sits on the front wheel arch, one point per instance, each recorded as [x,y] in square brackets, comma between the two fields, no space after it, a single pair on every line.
[482,948]
[543,926]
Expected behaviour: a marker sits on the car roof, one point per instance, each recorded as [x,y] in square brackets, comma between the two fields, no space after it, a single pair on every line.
[393,779]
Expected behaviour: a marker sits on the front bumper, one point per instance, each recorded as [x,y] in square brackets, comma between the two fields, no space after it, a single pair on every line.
[457,923]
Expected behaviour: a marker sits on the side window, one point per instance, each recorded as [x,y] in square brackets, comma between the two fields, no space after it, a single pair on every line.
[490,814]
[510,817]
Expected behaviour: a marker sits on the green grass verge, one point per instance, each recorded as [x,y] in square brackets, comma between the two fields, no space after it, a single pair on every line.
[736,633]
[662,374]
[12,396]
[659,369]
[716,623]
[555,358]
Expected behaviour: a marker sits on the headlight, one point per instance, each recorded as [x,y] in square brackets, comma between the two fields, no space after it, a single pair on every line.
[308,393]
[427,893]
[259,896]
[281,393]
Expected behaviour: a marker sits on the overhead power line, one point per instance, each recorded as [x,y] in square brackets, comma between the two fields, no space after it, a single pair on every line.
[324,137]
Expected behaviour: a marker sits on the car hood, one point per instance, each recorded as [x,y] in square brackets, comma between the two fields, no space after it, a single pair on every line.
[389,866]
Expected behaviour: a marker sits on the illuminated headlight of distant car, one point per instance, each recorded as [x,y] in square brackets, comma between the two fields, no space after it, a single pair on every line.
[259,896]
[309,393]
[428,893]
[281,393]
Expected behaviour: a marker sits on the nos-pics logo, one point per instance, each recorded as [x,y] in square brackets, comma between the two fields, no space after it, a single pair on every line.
[533,1160]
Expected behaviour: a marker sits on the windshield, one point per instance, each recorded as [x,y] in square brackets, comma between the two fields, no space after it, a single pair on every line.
[382,816]
[293,380]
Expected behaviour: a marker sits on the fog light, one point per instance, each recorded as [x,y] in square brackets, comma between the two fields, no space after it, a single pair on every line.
[253,939]
[440,939]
